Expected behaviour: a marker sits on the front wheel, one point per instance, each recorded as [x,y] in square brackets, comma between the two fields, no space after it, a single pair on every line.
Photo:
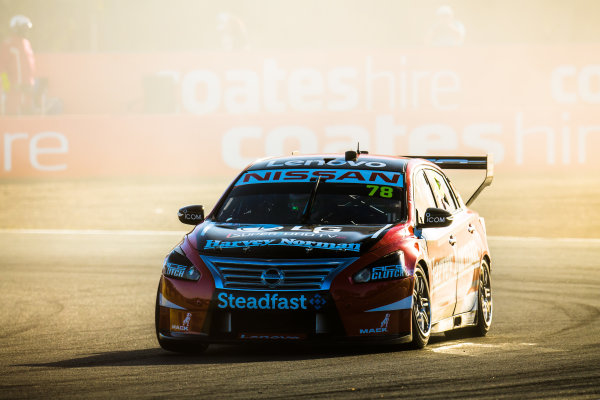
[421,310]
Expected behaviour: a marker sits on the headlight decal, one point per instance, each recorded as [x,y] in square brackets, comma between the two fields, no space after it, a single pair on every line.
[178,266]
[189,273]
[390,267]
[388,272]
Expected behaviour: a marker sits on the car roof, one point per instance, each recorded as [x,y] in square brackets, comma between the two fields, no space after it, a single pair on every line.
[332,161]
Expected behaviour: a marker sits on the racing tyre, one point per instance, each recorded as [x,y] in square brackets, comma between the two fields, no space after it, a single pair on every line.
[484,301]
[175,346]
[421,310]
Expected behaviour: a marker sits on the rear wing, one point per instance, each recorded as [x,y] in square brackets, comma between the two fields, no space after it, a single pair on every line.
[467,162]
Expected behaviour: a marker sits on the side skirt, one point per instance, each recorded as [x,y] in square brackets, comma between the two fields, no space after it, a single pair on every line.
[455,322]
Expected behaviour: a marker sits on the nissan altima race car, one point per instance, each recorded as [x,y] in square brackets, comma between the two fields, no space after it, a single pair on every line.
[330,248]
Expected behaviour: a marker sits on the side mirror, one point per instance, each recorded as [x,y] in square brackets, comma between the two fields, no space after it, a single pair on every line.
[191,215]
[436,218]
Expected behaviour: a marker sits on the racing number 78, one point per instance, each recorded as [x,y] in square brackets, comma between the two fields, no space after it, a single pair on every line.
[384,191]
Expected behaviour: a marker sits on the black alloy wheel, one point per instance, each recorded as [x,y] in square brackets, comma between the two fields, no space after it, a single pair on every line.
[421,310]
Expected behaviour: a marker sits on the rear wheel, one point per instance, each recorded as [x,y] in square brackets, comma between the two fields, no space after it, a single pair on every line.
[484,301]
[172,345]
[483,317]
[421,310]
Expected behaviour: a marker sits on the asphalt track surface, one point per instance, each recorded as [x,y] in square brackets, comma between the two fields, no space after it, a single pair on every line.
[77,321]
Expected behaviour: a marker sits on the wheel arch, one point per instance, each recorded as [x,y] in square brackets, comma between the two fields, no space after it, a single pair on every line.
[425,267]
[488,260]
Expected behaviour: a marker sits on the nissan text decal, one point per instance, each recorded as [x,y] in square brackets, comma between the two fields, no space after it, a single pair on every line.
[331,175]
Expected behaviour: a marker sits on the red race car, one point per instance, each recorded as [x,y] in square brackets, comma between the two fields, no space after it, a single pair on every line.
[330,248]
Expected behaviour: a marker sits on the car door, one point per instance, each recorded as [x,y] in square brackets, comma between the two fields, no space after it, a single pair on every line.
[469,253]
[465,248]
[440,251]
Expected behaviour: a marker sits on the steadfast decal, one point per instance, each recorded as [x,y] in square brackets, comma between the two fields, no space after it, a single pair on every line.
[221,244]
[384,178]
[265,302]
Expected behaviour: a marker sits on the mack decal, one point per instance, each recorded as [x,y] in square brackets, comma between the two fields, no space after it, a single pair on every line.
[373,330]
[331,175]
[383,328]
[185,325]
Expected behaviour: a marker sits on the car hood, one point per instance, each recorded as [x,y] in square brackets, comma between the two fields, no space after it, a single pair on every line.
[285,241]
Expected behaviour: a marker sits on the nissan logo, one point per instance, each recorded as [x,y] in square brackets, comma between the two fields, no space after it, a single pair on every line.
[272,277]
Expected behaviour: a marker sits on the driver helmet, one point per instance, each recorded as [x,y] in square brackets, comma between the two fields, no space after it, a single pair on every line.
[20,24]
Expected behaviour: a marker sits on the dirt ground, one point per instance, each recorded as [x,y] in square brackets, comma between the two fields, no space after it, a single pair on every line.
[539,204]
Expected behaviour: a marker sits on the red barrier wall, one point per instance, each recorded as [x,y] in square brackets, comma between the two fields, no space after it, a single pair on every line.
[533,107]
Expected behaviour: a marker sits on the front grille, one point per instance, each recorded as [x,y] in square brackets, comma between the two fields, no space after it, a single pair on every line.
[248,274]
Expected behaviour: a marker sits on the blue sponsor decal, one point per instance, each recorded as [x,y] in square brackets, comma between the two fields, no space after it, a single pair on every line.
[387,178]
[221,244]
[175,270]
[388,272]
[268,301]
[317,301]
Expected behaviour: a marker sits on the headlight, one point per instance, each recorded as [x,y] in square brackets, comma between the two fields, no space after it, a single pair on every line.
[178,266]
[388,268]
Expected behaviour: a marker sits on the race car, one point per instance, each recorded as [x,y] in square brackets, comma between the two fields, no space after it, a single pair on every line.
[330,248]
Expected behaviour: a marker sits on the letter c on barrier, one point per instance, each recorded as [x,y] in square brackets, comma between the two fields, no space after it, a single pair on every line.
[557,84]
[233,143]
[189,92]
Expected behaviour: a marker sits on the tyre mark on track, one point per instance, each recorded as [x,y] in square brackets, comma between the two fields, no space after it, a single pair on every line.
[29,316]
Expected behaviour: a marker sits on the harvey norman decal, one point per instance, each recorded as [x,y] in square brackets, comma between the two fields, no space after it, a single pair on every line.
[220,244]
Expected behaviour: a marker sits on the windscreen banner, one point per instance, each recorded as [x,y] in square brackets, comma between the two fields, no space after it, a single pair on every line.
[210,114]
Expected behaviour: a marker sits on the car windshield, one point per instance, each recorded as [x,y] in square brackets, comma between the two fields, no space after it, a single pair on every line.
[327,202]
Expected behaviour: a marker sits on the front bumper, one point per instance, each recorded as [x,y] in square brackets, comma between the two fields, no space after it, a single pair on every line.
[375,313]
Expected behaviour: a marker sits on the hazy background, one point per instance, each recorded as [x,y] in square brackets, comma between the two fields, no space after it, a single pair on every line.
[86,49]
[176,25]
